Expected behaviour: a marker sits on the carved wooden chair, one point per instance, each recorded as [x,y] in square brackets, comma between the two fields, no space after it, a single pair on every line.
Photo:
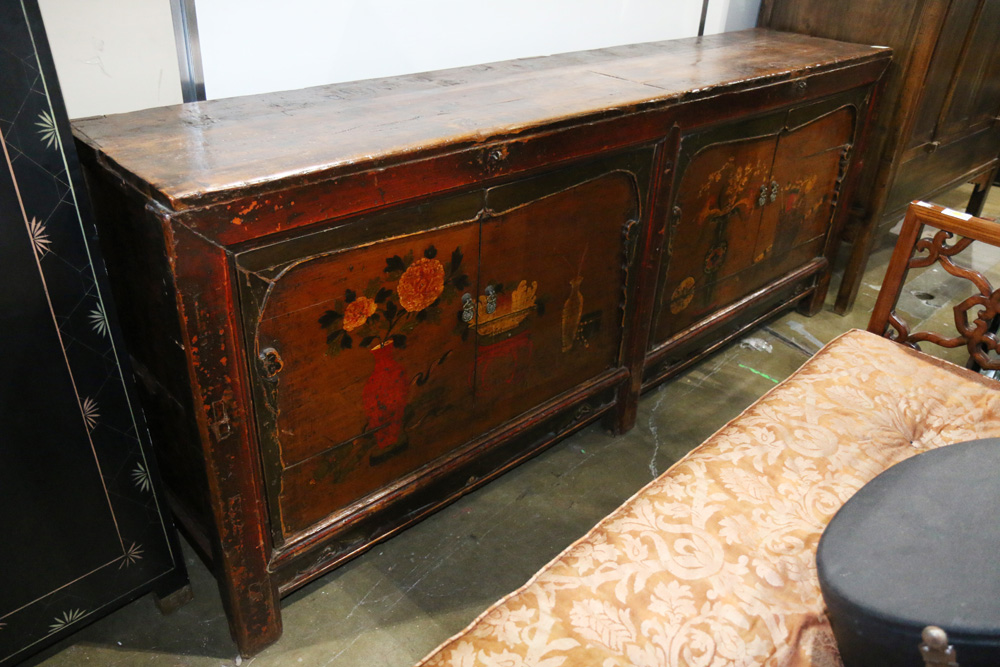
[976,318]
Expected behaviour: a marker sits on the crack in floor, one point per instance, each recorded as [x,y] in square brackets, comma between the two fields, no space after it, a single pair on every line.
[654,431]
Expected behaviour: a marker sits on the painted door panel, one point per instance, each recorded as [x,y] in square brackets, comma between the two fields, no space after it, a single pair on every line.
[432,324]
[381,324]
[714,228]
[557,318]
[808,164]
[745,206]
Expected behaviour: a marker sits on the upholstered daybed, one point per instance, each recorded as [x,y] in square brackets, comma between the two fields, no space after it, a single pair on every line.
[713,563]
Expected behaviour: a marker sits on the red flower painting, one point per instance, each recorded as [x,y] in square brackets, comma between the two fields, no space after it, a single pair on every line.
[389,308]
[409,291]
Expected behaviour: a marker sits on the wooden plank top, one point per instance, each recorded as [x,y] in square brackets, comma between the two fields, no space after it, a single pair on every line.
[191,154]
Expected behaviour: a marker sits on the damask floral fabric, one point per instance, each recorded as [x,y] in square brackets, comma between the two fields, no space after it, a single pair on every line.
[713,563]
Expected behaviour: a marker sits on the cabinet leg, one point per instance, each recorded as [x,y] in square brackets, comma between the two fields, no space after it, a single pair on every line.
[980,191]
[814,303]
[253,610]
[622,418]
[810,306]
[855,269]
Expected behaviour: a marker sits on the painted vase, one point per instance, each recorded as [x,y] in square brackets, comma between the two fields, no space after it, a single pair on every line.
[384,398]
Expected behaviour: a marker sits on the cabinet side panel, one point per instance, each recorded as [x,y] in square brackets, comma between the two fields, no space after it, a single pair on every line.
[859,21]
[134,249]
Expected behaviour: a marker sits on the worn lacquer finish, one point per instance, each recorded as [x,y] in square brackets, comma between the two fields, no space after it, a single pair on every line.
[353,304]
[366,389]
[748,210]
[208,150]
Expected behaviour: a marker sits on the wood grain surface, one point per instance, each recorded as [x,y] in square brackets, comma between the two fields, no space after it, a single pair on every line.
[188,154]
[354,303]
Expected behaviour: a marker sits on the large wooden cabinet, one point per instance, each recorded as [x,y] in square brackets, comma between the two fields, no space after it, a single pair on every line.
[938,123]
[354,303]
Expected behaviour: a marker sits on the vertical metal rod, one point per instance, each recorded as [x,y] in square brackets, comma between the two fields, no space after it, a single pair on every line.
[188,50]
[704,15]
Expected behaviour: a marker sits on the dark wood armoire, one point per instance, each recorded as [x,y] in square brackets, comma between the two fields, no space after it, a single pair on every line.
[938,123]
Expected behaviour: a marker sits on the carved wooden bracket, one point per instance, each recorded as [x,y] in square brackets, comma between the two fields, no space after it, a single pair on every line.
[977,318]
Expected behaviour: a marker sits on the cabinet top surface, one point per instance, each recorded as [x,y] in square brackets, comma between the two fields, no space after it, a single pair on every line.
[189,154]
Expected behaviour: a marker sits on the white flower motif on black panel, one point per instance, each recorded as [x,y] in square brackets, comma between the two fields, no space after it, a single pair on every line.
[99,319]
[39,238]
[47,129]
[67,618]
[90,413]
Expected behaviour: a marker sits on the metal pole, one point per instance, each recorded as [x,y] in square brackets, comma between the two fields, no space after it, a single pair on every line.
[704,15]
[188,50]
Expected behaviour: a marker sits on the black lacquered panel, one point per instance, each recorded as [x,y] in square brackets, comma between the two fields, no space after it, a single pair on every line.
[84,529]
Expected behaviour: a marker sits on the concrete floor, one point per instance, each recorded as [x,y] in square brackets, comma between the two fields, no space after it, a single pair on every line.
[401,599]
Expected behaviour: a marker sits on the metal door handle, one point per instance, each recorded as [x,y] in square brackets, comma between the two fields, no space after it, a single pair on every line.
[491,299]
[468,307]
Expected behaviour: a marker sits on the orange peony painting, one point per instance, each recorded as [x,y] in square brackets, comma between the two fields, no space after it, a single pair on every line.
[389,308]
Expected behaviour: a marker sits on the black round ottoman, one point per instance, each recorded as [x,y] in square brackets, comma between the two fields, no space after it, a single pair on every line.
[918,546]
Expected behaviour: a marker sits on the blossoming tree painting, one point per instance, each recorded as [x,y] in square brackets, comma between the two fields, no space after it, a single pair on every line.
[388,310]
[380,316]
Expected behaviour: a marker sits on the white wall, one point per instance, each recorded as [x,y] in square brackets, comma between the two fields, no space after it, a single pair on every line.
[113,55]
[729,15]
[248,46]
[119,55]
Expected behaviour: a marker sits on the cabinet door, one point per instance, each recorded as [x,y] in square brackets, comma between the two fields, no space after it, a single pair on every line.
[961,91]
[554,255]
[809,162]
[714,225]
[360,358]
[748,211]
